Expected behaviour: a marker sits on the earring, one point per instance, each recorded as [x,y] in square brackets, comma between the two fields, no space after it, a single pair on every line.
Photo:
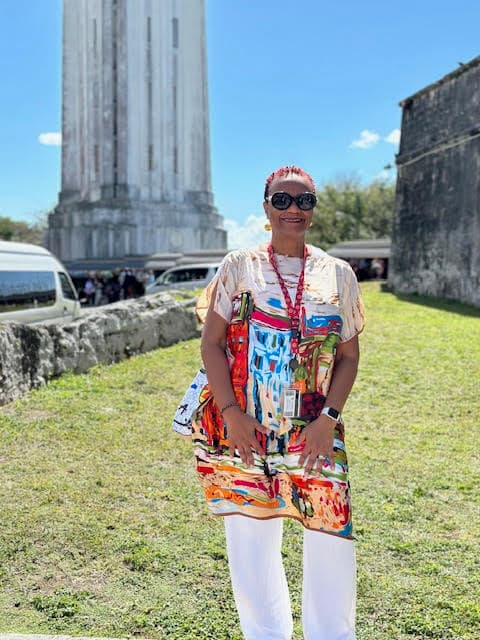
[267,226]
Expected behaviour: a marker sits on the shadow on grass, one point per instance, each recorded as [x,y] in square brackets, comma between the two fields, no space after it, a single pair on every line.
[444,304]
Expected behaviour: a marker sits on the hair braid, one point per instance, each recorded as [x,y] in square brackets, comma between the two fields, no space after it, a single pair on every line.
[283,172]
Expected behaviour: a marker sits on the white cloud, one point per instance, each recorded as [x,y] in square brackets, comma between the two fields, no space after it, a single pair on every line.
[366,140]
[393,137]
[248,233]
[53,139]
[384,175]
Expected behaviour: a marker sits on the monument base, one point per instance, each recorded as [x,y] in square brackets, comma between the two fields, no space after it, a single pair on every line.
[85,230]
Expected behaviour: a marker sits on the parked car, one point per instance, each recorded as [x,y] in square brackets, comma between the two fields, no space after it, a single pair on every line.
[34,285]
[186,276]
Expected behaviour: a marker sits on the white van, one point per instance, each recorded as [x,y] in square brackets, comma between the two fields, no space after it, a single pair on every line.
[185,276]
[34,285]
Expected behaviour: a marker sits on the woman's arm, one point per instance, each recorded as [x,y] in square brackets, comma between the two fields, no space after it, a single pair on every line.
[318,435]
[241,427]
[214,358]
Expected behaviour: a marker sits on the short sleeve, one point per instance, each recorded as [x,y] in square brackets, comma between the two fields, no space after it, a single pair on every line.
[353,313]
[224,285]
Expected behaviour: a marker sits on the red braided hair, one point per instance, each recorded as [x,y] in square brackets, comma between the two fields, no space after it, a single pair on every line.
[283,172]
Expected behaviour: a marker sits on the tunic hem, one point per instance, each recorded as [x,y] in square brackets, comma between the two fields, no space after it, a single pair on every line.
[239,513]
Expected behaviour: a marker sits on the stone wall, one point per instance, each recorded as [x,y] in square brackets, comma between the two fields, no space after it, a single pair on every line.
[436,231]
[30,355]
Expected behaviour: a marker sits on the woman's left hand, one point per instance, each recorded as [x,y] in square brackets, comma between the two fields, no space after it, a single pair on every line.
[318,437]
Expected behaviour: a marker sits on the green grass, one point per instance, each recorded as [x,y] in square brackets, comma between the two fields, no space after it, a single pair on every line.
[103,530]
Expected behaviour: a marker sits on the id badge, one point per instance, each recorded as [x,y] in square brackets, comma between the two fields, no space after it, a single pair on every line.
[291,403]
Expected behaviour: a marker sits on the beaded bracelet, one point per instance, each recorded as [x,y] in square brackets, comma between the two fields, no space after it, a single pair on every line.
[234,403]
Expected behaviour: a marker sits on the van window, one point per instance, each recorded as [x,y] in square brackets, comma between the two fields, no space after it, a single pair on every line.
[186,275]
[198,274]
[68,292]
[26,289]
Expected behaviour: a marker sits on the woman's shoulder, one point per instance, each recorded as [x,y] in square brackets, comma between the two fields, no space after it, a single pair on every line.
[240,254]
[315,253]
[237,257]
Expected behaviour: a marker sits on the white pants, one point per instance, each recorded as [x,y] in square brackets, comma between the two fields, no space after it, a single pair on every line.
[260,586]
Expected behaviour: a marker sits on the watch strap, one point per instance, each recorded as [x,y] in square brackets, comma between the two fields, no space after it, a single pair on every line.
[332,413]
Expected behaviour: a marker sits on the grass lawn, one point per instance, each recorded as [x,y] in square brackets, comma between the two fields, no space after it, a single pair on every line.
[103,530]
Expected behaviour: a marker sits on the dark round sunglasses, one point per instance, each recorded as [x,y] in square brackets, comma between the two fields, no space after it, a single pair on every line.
[281,200]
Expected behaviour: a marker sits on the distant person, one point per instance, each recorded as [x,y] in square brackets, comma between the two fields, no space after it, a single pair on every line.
[113,288]
[89,291]
[377,268]
[129,285]
[139,284]
[280,349]
[363,271]
[99,284]
[150,278]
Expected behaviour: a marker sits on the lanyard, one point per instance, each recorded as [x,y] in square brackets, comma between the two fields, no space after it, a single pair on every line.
[293,311]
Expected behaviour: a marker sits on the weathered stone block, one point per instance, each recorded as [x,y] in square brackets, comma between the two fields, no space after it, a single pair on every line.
[32,355]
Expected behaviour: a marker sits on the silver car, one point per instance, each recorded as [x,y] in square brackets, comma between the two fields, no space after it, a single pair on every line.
[185,276]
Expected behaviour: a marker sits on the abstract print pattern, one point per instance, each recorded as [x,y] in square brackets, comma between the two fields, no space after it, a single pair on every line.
[270,371]
[259,354]
[277,487]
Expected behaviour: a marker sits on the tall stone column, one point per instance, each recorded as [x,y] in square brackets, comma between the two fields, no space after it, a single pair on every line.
[136,150]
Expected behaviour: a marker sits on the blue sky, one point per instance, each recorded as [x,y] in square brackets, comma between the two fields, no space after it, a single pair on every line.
[289,83]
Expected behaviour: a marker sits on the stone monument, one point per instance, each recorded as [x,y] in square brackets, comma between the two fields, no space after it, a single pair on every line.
[436,230]
[135,126]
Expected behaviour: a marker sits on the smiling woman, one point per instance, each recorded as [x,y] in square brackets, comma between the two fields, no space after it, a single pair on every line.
[280,350]
[289,200]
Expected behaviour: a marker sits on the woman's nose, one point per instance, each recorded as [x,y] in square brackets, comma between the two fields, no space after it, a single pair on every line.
[294,207]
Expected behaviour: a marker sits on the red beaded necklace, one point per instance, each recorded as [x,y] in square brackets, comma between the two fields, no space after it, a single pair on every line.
[292,311]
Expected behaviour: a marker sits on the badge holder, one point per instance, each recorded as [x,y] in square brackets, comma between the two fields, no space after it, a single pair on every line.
[291,403]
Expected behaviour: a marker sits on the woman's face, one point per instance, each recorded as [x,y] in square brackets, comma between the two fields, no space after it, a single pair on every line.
[292,222]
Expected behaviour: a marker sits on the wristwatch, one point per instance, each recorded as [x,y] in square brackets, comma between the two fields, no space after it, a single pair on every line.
[332,413]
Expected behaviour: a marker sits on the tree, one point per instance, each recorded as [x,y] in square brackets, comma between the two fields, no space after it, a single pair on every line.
[347,210]
[20,231]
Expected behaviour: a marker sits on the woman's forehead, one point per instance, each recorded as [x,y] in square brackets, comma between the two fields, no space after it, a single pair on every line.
[291,182]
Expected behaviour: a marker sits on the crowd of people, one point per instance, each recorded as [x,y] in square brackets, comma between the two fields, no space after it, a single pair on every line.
[105,287]
[369,268]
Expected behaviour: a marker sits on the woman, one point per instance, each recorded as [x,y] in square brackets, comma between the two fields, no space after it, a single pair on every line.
[280,350]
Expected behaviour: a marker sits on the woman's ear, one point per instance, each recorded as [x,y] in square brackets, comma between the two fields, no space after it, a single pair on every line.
[265,207]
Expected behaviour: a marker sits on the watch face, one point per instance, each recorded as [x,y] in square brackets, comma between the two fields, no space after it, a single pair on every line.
[334,413]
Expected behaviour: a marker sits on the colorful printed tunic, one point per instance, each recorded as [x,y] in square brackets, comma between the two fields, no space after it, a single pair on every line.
[249,298]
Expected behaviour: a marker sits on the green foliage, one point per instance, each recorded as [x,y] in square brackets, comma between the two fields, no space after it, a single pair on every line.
[105,531]
[19,231]
[61,604]
[347,210]
[143,556]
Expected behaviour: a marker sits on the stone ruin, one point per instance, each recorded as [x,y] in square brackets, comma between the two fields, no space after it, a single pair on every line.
[436,230]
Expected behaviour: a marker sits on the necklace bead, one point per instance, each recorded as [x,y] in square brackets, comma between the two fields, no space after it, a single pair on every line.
[292,311]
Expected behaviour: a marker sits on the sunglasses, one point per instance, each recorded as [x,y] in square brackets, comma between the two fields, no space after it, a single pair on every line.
[282,200]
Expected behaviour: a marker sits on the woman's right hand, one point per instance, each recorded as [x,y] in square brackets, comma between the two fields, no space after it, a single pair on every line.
[241,435]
